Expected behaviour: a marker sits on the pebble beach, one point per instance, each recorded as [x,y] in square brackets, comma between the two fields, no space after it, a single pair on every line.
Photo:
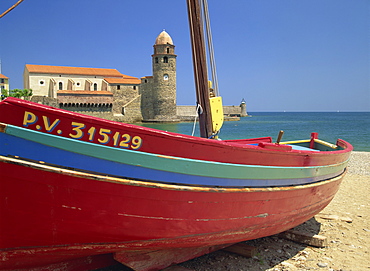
[345,223]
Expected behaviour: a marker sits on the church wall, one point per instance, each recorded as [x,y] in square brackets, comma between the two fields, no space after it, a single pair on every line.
[26,81]
[44,84]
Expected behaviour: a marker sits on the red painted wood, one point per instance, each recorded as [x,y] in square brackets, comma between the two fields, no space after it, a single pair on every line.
[48,217]
[12,111]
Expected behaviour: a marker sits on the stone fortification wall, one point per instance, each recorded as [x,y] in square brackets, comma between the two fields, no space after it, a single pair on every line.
[124,95]
[235,110]
[146,86]
[104,113]
[96,98]
[186,111]
[45,100]
[130,112]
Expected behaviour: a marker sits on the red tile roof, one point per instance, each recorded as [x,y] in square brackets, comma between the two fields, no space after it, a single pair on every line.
[73,70]
[3,76]
[129,80]
[88,92]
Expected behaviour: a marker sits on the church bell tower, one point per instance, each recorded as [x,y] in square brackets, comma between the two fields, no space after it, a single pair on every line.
[164,78]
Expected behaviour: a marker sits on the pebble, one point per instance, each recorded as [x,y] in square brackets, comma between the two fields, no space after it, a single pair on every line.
[299,258]
[322,265]
[289,266]
[359,164]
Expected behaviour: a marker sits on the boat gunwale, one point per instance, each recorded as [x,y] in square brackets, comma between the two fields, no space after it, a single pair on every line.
[347,147]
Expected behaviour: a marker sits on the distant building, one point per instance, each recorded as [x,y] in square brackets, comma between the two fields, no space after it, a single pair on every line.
[4,82]
[93,91]
[158,101]
[109,94]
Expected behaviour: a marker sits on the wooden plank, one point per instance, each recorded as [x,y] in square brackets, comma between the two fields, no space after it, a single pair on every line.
[304,238]
[242,249]
[335,217]
[159,259]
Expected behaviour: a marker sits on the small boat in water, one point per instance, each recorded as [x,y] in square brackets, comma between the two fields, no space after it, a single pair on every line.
[79,192]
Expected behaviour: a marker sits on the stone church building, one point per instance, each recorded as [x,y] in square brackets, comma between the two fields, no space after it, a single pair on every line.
[109,94]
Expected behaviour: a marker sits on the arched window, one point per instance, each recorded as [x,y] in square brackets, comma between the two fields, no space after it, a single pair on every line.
[95,86]
[156,60]
[60,85]
[165,59]
[168,50]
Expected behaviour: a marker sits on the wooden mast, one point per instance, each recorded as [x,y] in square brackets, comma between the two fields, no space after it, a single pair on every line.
[200,67]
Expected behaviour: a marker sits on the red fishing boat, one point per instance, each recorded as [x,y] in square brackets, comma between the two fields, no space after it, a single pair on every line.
[79,193]
[53,215]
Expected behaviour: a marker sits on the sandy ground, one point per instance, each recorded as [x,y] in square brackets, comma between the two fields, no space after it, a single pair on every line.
[348,235]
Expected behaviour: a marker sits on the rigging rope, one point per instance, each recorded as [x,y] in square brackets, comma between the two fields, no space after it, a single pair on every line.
[208,37]
[11,8]
[198,110]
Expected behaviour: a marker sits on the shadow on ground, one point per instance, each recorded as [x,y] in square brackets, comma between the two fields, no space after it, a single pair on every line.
[271,251]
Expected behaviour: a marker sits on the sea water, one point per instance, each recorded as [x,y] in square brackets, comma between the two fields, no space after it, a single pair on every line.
[353,127]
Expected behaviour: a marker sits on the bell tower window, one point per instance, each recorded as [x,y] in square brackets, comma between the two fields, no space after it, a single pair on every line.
[60,85]
[165,59]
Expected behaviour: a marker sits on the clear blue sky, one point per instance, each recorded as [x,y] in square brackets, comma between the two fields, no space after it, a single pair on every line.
[293,55]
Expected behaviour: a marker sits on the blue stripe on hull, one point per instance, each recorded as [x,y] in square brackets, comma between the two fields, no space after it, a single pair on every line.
[11,145]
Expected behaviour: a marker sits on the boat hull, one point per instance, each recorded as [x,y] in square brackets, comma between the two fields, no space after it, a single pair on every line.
[55,214]
[141,139]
